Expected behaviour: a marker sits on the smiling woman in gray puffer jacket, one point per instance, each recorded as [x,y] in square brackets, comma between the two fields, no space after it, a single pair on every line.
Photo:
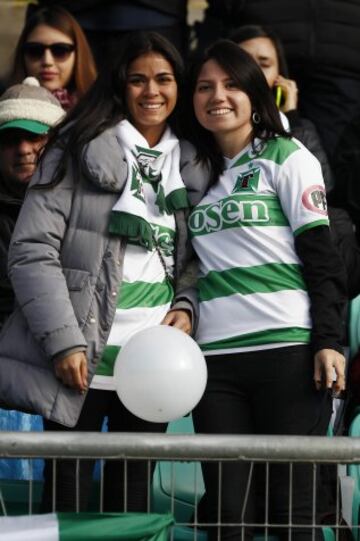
[98,253]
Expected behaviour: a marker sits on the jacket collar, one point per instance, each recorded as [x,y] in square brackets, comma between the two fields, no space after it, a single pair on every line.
[104,161]
[105,165]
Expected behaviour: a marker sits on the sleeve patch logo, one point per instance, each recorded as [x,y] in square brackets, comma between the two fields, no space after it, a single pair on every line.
[314,199]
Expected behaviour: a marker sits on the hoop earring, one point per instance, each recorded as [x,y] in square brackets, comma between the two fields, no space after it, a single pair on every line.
[256,118]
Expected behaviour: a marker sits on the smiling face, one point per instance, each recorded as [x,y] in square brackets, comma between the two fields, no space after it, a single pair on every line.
[222,108]
[264,53]
[51,71]
[151,94]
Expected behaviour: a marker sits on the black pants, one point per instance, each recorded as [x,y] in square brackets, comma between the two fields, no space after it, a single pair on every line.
[262,392]
[98,405]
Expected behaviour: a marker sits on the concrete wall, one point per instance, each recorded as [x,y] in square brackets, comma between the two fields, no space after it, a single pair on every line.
[11,21]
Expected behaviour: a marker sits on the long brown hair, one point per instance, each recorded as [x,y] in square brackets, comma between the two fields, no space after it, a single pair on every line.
[247,75]
[84,69]
[105,104]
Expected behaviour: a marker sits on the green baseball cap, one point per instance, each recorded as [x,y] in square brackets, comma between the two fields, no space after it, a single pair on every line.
[24,124]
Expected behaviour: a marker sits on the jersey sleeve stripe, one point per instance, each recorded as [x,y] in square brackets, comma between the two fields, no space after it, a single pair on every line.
[310,225]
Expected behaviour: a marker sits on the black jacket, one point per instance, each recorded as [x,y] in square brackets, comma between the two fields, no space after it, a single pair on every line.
[9,210]
[304,130]
[320,32]
[347,171]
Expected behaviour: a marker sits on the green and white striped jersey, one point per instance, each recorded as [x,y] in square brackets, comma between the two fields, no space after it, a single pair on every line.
[251,290]
[144,297]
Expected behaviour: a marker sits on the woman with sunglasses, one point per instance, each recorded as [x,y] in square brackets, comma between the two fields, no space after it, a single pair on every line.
[104,258]
[271,290]
[53,48]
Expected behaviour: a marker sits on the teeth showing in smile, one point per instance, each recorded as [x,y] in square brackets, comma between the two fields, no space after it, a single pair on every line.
[218,112]
[151,105]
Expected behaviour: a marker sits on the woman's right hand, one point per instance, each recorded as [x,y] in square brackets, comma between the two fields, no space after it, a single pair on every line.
[72,371]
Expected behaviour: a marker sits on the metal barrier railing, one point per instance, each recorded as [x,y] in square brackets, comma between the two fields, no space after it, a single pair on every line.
[174,452]
[180,447]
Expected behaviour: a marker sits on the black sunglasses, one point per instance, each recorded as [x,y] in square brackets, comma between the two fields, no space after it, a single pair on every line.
[60,51]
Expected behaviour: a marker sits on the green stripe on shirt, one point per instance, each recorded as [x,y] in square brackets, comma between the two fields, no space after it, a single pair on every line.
[108,358]
[311,225]
[144,294]
[271,336]
[247,280]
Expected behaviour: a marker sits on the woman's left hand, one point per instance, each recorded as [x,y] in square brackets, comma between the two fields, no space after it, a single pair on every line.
[181,319]
[327,363]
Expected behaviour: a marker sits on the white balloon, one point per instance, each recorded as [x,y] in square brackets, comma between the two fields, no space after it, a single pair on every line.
[160,374]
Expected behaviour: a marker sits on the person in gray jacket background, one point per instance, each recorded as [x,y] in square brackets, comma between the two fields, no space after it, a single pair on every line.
[27,111]
[104,258]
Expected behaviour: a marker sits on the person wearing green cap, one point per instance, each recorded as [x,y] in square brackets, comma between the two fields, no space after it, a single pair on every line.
[27,112]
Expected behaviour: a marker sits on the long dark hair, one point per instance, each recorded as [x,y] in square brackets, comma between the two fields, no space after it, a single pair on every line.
[84,73]
[253,31]
[247,75]
[105,103]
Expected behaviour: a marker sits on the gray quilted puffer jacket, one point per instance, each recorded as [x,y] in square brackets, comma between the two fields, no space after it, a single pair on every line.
[66,271]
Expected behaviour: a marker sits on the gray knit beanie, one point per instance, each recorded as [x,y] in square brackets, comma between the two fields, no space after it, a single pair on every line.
[29,106]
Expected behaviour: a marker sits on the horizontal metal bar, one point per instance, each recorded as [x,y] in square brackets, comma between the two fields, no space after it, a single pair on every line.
[179,446]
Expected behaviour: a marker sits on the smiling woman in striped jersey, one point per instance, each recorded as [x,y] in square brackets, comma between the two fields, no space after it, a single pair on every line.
[271,288]
[104,258]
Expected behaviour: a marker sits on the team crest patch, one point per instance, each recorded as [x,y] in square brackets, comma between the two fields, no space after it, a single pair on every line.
[314,199]
[145,159]
[247,182]
[142,172]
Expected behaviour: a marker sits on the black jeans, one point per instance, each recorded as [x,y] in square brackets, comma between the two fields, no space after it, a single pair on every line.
[97,406]
[261,392]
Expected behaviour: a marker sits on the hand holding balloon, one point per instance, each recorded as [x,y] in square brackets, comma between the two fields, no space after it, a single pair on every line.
[181,319]
[160,374]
